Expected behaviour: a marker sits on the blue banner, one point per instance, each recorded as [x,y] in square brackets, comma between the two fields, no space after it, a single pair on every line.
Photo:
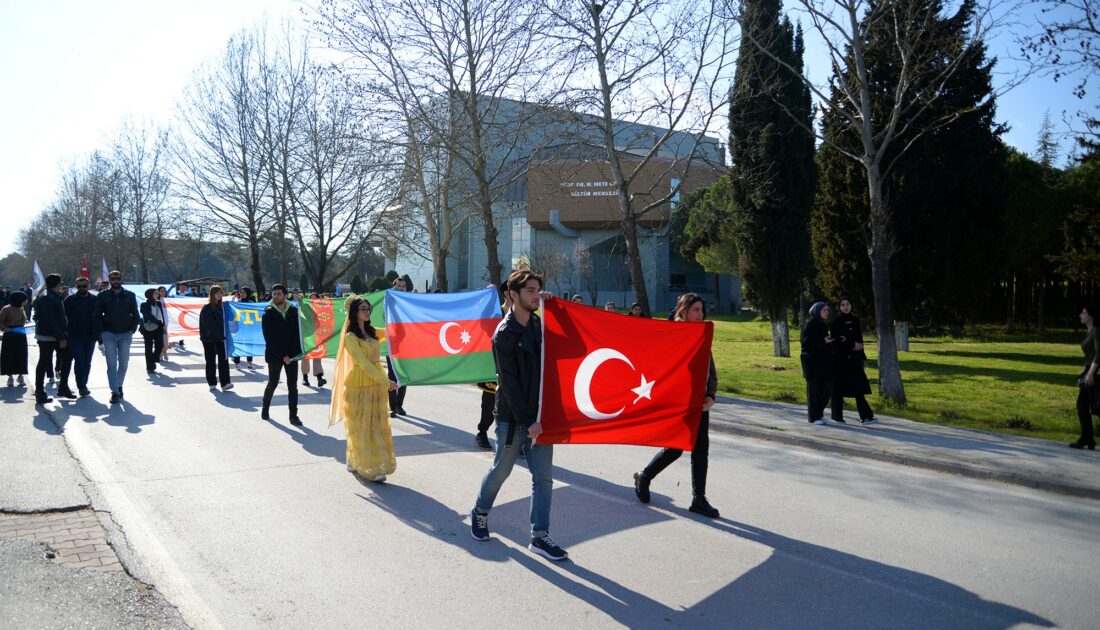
[245,334]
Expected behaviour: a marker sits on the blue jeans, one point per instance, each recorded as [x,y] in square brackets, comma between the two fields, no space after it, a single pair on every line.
[81,347]
[540,461]
[116,347]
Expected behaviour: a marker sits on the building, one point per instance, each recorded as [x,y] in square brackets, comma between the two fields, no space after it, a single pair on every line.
[556,210]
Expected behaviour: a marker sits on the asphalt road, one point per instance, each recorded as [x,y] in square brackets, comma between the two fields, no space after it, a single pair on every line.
[243,523]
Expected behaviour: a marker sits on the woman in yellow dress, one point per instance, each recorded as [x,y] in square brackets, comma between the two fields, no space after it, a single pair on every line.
[360,396]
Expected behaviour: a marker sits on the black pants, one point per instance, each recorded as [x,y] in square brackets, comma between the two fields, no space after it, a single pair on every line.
[46,351]
[237,360]
[1084,415]
[864,409]
[217,365]
[397,398]
[818,393]
[64,367]
[488,401]
[274,369]
[699,459]
[154,345]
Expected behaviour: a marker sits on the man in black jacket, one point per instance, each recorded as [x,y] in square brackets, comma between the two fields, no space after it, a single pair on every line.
[284,344]
[517,351]
[50,325]
[80,313]
[397,397]
[116,318]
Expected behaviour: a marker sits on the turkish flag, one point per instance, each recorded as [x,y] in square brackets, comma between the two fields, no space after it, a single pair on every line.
[84,267]
[612,379]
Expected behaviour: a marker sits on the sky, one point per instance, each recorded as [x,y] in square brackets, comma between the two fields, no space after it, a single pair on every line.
[75,70]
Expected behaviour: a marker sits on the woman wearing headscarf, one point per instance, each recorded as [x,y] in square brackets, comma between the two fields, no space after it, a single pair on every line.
[360,396]
[817,362]
[1087,392]
[689,308]
[13,352]
[851,380]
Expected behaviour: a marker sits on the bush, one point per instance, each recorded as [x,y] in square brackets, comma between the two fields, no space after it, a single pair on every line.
[357,285]
[391,275]
[378,284]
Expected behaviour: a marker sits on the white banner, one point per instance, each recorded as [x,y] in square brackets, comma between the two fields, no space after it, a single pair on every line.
[183,316]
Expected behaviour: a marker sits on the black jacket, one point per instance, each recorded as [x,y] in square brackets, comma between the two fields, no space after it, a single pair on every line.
[817,356]
[80,312]
[151,313]
[281,334]
[517,352]
[212,323]
[116,312]
[49,317]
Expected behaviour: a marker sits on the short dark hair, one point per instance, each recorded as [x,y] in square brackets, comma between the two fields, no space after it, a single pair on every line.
[53,280]
[149,293]
[80,279]
[519,279]
[278,287]
[17,298]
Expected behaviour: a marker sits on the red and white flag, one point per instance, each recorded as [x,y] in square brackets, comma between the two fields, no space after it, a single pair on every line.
[84,267]
[612,379]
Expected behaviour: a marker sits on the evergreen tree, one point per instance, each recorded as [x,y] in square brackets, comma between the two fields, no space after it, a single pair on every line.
[1047,151]
[771,182]
[357,285]
[944,198]
[303,283]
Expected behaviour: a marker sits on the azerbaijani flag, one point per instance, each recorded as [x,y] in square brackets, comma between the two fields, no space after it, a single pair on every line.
[322,321]
[439,338]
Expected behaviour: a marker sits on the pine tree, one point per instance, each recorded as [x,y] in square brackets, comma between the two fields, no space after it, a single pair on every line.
[944,197]
[772,177]
[1047,151]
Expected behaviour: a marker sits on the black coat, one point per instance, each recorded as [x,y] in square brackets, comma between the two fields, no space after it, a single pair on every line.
[80,312]
[49,317]
[517,352]
[817,356]
[850,377]
[281,334]
[150,311]
[116,312]
[212,323]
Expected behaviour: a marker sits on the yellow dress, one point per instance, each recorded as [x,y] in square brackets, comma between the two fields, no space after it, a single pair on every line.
[360,398]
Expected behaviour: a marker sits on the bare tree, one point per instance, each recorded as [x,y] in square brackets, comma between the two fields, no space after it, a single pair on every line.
[140,158]
[886,124]
[548,262]
[663,63]
[221,165]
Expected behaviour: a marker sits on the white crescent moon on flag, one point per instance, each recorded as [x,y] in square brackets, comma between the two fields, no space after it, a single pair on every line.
[582,385]
[443,338]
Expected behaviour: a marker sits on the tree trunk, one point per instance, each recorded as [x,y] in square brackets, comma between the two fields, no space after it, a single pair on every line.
[1041,311]
[781,334]
[1011,326]
[901,330]
[254,260]
[441,270]
[889,369]
[633,254]
[717,293]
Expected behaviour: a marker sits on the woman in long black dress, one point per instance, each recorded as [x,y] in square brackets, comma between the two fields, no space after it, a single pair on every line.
[13,352]
[817,362]
[850,379]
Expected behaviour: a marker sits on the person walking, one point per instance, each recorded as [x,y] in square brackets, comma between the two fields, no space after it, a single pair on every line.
[246,296]
[359,396]
[313,365]
[283,341]
[850,379]
[212,336]
[182,290]
[80,313]
[162,294]
[13,350]
[1088,390]
[116,319]
[152,329]
[397,397]
[50,331]
[817,362]
[517,351]
[689,308]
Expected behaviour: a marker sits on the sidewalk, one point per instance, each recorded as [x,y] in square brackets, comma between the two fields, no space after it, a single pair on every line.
[1023,461]
[58,566]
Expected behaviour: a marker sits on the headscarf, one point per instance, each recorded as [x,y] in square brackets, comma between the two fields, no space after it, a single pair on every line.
[815,310]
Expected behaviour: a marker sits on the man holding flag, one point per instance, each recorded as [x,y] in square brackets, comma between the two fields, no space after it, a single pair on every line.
[517,351]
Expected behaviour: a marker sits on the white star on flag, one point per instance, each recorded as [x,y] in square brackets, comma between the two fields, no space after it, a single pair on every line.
[465,336]
[644,390]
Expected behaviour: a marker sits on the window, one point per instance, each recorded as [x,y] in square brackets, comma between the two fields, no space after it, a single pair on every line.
[521,240]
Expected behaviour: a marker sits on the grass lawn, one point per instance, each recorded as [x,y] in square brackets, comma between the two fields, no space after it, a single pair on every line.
[980,383]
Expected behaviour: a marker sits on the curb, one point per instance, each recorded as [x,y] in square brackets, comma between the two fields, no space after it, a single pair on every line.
[782,436]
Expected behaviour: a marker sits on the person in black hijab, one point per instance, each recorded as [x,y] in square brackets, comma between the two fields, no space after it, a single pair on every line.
[850,379]
[817,362]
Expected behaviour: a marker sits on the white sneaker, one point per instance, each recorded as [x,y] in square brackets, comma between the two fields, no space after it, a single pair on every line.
[378,478]
[820,421]
[869,421]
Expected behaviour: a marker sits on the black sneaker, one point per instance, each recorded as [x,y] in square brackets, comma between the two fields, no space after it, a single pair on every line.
[295,421]
[115,398]
[483,441]
[41,398]
[641,487]
[479,525]
[84,391]
[305,381]
[264,415]
[401,411]
[547,548]
[701,506]
[321,380]
[66,393]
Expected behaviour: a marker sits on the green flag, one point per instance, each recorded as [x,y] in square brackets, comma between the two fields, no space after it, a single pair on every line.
[322,321]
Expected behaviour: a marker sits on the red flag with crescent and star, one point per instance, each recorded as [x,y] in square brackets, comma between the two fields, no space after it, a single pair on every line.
[612,379]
